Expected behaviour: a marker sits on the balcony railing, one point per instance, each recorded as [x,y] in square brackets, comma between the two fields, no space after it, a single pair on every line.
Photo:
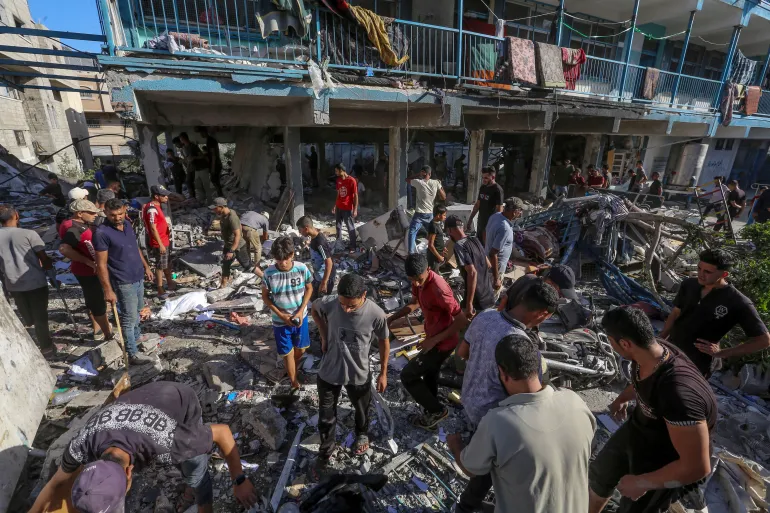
[230,30]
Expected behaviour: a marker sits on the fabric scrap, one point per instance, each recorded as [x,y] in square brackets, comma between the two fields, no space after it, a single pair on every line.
[651,78]
[753,94]
[280,21]
[571,60]
[743,69]
[549,68]
[378,35]
[726,105]
[342,44]
[190,40]
[519,62]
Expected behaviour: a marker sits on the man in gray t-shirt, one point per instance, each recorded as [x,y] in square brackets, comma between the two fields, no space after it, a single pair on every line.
[348,324]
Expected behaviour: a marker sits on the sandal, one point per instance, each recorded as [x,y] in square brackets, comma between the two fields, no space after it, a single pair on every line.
[361,445]
[99,336]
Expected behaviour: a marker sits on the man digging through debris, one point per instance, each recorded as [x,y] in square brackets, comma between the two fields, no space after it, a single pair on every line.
[159,423]
[536,444]
[499,243]
[475,268]
[348,324]
[665,446]
[232,236]
[286,291]
[255,228]
[706,308]
[444,319]
[325,271]
[158,237]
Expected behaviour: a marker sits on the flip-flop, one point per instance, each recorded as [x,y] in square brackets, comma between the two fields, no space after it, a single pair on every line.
[99,336]
[361,445]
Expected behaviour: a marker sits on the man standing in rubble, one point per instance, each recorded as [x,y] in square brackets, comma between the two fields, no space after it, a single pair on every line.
[490,201]
[157,424]
[706,308]
[560,178]
[444,319]
[499,244]
[535,445]
[232,236]
[158,237]
[349,324]
[121,268]
[213,159]
[24,265]
[256,230]
[664,450]
[736,202]
[345,208]
[475,268]
[54,190]
[482,390]
[198,166]
[325,271]
[426,191]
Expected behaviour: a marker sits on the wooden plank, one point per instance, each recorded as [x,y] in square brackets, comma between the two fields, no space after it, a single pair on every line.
[283,206]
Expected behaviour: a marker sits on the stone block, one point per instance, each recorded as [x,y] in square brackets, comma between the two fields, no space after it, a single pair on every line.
[267,423]
[217,295]
[89,399]
[105,353]
[259,353]
[219,376]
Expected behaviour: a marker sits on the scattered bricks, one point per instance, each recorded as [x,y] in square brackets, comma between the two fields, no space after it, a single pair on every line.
[150,343]
[219,376]
[259,353]
[208,401]
[106,353]
[244,380]
[217,295]
[267,423]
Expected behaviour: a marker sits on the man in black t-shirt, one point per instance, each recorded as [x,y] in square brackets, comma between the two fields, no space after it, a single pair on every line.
[706,308]
[324,270]
[158,423]
[53,190]
[736,202]
[436,255]
[665,447]
[490,200]
[761,211]
[474,267]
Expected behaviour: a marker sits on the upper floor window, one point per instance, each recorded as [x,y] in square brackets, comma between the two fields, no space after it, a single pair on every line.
[7,89]
[93,123]
[20,140]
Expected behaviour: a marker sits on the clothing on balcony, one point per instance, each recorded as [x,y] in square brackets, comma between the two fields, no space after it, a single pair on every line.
[519,63]
[729,93]
[572,59]
[278,16]
[549,66]
[341,42]
[378,35]
[743,69]
[753,94]
[651,77]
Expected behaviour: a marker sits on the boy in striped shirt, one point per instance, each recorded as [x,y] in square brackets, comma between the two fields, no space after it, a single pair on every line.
[286,290]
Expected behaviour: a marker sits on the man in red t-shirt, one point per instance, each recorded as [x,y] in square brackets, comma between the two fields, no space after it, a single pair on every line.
[158,237]
[443,321]
[346,207]
[76,245]
[595,180]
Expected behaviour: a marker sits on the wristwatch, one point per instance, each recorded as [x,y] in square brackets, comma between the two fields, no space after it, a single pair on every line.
[239,480]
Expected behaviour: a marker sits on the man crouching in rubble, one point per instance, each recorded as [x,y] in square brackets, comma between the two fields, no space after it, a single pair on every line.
[443,321]
[158,423]
[665,446]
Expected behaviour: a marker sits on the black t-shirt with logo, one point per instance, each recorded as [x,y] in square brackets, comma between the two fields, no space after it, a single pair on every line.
[710,318]
[470,251]
[159,422]
[490,196]
[676,394]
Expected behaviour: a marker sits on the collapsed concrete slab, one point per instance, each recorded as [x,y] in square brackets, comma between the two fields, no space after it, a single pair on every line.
[203,260]
[267,423]
[219,376]
[105,353]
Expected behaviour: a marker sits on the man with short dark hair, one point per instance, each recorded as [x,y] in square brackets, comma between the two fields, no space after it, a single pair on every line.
[499,243]
[426,191]
[665,446]
[761,211]
[174,166]
[639,179]
[198,174]
[213,159]
[560,178]
[606,175]
[560,277]
[656,188]
[324,270]
[158,237]
[232,236]
[443,321]
[536,445]
[475,268]
[482,390]
[490,201]
[24,265]
[157,424]
[312,162]
[706,308]
[736,202]
[102,197]
[121,268]
[348,324]
[256,230]
[436,246]
[54,190]
[345,208]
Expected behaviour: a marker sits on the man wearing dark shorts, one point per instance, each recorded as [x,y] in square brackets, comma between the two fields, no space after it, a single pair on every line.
[490,200]
[77,245]
[324,270]
[159,424]
[158,237]
[664,450]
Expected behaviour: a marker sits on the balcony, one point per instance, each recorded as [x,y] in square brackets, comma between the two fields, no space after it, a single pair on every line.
[229,31]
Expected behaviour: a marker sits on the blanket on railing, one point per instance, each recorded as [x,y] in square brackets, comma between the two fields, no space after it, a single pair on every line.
[571,61]
[743,69]
[651,78]
[549,68]
[341,42]
[519,63]
[378,35]
[726,105]
[482,64]
[753,94]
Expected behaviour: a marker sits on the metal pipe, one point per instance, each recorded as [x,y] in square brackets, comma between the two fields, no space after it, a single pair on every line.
[629,43]
[680,67]
[577,369]
[559,27]
[459,53]
[442,483]
[765,66]
[728,63]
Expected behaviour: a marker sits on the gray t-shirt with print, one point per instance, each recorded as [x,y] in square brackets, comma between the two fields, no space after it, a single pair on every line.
[350,336]
[19,262]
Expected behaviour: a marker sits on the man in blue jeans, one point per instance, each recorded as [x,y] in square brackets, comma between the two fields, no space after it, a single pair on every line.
[426,191]
[121,268]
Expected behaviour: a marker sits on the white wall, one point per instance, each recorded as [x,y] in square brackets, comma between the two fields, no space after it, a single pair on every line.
[657,153]
[718,162]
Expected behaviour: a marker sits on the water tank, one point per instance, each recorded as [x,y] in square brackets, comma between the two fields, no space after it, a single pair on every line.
[690,164]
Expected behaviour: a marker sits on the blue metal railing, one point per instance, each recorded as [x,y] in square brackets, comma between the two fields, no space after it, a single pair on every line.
[764,103]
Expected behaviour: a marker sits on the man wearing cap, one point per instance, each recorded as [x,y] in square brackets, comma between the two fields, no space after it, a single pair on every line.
[499,243]
[121,269]
[63,221]
[474,267]
[77,245]
[158,237]
[426,191]
[232,235]
[255,231]
[560,277]
[345,208]
[160,423]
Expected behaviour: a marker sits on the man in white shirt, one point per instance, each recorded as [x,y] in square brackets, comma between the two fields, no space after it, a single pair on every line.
[426,191]
[536,445]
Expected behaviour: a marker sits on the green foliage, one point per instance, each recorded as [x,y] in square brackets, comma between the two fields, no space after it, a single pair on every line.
[132,165]
[68,168]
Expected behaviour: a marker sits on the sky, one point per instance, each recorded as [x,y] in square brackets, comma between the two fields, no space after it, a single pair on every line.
[71,16]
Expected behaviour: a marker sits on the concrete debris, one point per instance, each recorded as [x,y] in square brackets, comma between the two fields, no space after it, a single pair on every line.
[219,376]
[267,423]
[106,353]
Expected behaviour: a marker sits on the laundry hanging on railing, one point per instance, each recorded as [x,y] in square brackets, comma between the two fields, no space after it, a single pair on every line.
[729,92]
[164,41]
[743,69]
[280,15]
[378,35]
[518,66]
[483,63]
[549,66]
[343,43]
[651,78]
[753,94]
[190,40]
[572,59]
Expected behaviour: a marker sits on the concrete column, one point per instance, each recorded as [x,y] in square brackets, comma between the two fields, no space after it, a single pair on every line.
[293,155]
[150,154]
[322,169]
[485,154]
[476,157]
[397,166]
[591,152]
[251,160]
[541,163]
[169,144]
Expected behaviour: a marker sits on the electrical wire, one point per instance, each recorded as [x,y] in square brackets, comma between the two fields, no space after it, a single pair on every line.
[576,31]
[597,22]
[517,19]
[659,38]
[713,44]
